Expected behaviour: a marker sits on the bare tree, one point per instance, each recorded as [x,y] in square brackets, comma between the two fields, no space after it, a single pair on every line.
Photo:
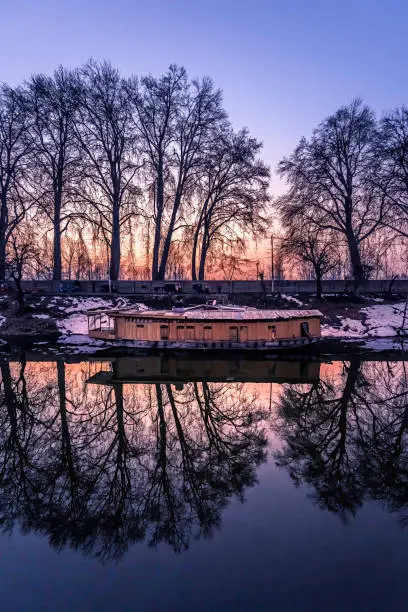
[305,244]
[15,148]
[331,183]
[53,102]
[103,127]
[23,259]
[232,195]
[177,120]
[393,150]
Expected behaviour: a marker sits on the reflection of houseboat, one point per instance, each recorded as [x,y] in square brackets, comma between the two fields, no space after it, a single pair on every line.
[207,326]
[161,369]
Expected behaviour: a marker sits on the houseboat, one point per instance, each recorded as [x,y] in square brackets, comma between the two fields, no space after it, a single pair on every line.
[207,326]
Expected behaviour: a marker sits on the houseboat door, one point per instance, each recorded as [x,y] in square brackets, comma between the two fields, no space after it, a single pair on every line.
[233,333]
[243,333]
[272,332]
[181,332]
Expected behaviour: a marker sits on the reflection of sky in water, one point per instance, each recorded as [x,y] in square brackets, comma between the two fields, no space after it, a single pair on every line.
[92,469]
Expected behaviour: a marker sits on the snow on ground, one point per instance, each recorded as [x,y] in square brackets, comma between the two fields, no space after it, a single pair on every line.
[41,316]
[379,321]
[349,328]
[85,304]
[2,320]
[75,324]
[383,321]
[290,298]
[77,321]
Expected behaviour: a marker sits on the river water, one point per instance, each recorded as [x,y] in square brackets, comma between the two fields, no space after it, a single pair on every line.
[172,484]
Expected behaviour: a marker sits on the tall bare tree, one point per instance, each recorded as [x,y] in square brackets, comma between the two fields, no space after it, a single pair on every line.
[177,120]
[53,102]
[232,195]
[393,150]
[104,130]
[15,148]
[330,179]
[305,244]
[23,259]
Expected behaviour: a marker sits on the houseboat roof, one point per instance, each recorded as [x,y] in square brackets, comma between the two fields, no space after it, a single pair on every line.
[214,313]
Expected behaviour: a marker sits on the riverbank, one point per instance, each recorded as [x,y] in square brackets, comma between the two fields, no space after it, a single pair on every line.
[348,324]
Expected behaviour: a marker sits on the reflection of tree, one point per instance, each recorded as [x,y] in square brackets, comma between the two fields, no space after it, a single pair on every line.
[22,444]
[98,468]
[347,437]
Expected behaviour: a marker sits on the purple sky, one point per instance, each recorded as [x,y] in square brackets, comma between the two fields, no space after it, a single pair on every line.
[283,65]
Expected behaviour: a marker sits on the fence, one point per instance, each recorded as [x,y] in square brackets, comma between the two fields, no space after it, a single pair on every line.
[215,288]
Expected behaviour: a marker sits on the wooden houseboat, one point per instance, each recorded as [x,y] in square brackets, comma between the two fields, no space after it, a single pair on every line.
[207,326]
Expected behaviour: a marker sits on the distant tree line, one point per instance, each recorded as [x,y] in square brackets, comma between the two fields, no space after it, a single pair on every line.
[90,154]
[99,171]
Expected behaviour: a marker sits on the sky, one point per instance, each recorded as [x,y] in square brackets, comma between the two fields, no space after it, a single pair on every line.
[283,65]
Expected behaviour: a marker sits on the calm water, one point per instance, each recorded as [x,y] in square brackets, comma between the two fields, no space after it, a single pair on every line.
[149,484]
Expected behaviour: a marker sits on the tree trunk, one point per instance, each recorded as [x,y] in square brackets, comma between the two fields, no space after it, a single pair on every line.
[3,239]
[56,274]
[343,404]
[355,259]
[156,249]
[194,254]
[203,255]
[10,400]
[196,239]
[159,216]
[20,292]
[122,440]
[169,235]
[115,244]
[318,275]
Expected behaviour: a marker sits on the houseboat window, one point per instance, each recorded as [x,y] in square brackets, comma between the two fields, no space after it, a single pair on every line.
[164,332]
[272,332]
[233,333]
[106,323]
[243,333]
[180,332]
[190,332]
[208,332]
[304,330]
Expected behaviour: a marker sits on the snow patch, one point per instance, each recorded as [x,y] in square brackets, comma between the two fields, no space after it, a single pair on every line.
[75,324]
[40,316]
[379,321]
[384,321]
[78,323]
[290,298]
[348,328]
[86,304]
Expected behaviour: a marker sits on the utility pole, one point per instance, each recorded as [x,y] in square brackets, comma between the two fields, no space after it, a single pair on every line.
[109,274]
[272,268]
